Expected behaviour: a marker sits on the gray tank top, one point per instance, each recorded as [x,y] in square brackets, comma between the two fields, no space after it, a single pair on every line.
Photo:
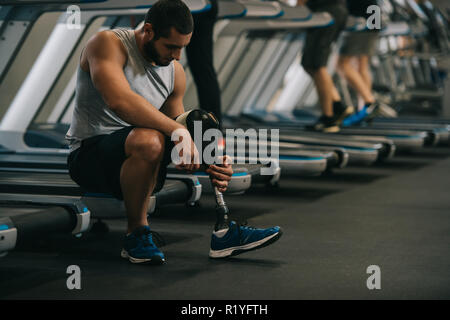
[92,116]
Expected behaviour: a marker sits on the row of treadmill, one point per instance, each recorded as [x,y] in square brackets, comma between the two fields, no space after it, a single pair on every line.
[257,53]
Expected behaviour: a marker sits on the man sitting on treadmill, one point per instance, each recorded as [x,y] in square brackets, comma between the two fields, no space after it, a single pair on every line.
[130,87]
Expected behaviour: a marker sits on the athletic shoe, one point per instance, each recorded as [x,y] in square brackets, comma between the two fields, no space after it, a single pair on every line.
[355,118]
[239,239]
[367,113]
[380,109]
[325,124]
[331,124]
[387,111]
[139,247]
[341,112]
[372,110]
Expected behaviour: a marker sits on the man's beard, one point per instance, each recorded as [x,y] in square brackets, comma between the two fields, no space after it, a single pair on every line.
[152,54]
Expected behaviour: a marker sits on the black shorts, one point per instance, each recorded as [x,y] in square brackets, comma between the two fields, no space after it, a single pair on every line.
[95,166]
[318,42]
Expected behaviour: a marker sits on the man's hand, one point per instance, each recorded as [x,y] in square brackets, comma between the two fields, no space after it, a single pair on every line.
[220,175]
[189,156]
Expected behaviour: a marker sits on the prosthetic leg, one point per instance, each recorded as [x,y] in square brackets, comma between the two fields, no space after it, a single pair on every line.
[208,121]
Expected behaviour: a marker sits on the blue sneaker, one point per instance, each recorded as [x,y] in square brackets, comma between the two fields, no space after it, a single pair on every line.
[239,239]
[139,247]
[355,118]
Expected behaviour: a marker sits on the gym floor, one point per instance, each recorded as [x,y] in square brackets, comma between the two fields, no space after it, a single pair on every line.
[394,215]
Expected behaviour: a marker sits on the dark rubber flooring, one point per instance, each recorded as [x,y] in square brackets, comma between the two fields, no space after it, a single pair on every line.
[394,215]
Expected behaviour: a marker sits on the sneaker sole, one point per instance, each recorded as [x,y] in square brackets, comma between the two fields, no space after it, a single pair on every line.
[234,251]
[347,112]
[326,129]
[156,260]
[331,129]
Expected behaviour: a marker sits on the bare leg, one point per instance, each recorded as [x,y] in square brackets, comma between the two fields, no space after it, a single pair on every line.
[364,71]
[144,149]
[355,79]
[326,90]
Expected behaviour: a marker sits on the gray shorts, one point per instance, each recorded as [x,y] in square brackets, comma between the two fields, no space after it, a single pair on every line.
[359,43]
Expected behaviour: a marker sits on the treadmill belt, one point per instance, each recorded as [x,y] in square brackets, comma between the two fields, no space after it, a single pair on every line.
[39,183]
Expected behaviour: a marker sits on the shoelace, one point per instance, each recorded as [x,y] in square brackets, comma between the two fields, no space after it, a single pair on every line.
[158,238]
[147,238]
[244,225]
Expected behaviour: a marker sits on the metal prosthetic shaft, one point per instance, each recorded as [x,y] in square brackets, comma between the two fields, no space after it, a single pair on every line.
[221,211]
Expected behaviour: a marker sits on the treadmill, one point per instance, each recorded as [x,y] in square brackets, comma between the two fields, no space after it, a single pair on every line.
[30,208]
[253,82]
[439,126]
[23,217]
[391,138]
[436,133]
[226,48]
[17,18]
[39,138]
[264,91]
[55,159]
[52,135]
[14,140]
[357,152]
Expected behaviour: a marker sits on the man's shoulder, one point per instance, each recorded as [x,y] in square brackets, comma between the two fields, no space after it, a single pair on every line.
[104,42]
[179,69]
[177,65]
[105,37]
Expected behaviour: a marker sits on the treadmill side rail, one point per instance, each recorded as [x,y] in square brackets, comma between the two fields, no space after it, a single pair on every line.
[192,181]
[8,236]
[76,206]
[83,220]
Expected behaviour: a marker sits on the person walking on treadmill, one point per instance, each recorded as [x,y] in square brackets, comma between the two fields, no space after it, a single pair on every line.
[130,88]
[316,52]
[200,56]
[357,48]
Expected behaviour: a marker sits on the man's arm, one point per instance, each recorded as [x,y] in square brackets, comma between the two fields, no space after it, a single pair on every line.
[173,106]
[106,58]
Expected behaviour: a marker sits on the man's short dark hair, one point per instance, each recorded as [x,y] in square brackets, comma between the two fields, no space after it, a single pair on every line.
[166,14]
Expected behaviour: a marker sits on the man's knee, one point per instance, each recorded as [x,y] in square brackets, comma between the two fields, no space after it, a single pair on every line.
[147,144]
